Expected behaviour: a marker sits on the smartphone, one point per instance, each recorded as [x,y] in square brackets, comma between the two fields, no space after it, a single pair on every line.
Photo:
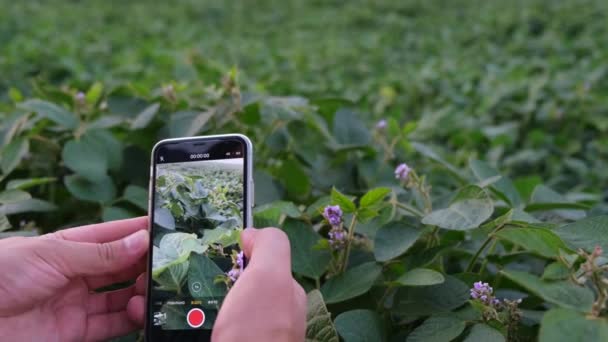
[201,195]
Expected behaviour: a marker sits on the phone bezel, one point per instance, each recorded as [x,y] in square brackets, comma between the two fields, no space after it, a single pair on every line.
[248,189]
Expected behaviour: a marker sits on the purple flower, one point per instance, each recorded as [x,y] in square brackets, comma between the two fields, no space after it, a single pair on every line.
[333,214]
[483,292]
[402,171]
[234,274]
[80,96]
[240,262]
[337,238]
[381,125]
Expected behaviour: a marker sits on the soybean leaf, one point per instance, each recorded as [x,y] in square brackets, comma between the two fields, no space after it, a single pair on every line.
[345,203]
[545,198]
[174,248]
[145,116]
[427,300]
[305,260]
[295,180]
[102,190]
[13,153]
[270,214]
[503,187]
[94,93]
[349,130]
[86,159]
[437,329]
[394,239]
[23,184]
[373,197]
[137,195]
[428,152]
[115,213]
[107,146]
[319,327]
[564,325]
[420,277]
[536,240]
[360,326]
[586,233]
[173,277]
[561,293]
[354,282]
[164,218]
[28,205]
[204,271]
[13,196]
[220,235]
[484,333]
[4,223]
[555,271]
[469,209]
[51,111]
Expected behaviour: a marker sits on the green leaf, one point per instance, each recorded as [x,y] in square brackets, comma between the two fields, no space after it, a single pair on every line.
[270,214]
[13,153]
[428,152]
[437,329]
[360,326]
[102,190]
[354,282]
[13,196]
[188,123]
[468,210]
[504,187]
[145,116]
[394,239]
[586,233]
[173,277]
[420,277]
[28,205]
[319,327]
[563,325]
[137,195]
[345,203]
[51,111]
[220,235]
[545,198]
[373,197]
[108,146]
[349,130]
[293,178]
[86,159]
[536,240]
[115,213]
[5,224]
[484,333]
[555,271]
[561,293]
[94,93]
[304,259]
[23,184]
[427,300]
[164,218]
[174,248]
[204,271]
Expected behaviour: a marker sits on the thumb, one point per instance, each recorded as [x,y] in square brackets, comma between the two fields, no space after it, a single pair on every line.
[267,248]
[74,259]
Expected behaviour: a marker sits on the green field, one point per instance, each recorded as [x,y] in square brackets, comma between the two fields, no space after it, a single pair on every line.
[520,85]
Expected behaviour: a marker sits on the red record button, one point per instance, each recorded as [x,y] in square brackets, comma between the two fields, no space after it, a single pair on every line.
[196,318]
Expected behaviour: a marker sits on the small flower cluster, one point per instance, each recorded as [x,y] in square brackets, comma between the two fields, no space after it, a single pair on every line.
[238,264]
[485,293]
[337,234]
[381,125]
[402,172]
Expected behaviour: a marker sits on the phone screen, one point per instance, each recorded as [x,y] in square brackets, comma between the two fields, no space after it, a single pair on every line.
[198,193]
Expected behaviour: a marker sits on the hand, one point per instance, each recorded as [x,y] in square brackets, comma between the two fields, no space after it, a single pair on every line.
[266,303]
[47,283]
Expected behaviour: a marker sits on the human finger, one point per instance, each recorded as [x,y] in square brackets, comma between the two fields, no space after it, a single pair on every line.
[131,273]
[110,301]
[268,247]
[136,309]
[93,259]
[102,232]
[105,326]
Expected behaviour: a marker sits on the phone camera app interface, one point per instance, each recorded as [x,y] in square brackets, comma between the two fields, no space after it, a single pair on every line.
[198,215]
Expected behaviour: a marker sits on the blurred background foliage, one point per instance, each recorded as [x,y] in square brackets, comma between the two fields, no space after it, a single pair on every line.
[87,88]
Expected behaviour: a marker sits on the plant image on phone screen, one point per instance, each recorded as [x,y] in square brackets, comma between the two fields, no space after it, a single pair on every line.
[199,208]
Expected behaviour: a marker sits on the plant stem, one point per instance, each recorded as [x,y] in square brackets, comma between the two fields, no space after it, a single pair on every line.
[474,259]
[485,261]
[317,283]
[351,234]
[409,209]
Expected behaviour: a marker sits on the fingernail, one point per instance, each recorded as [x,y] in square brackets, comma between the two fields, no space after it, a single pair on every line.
[136,242]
